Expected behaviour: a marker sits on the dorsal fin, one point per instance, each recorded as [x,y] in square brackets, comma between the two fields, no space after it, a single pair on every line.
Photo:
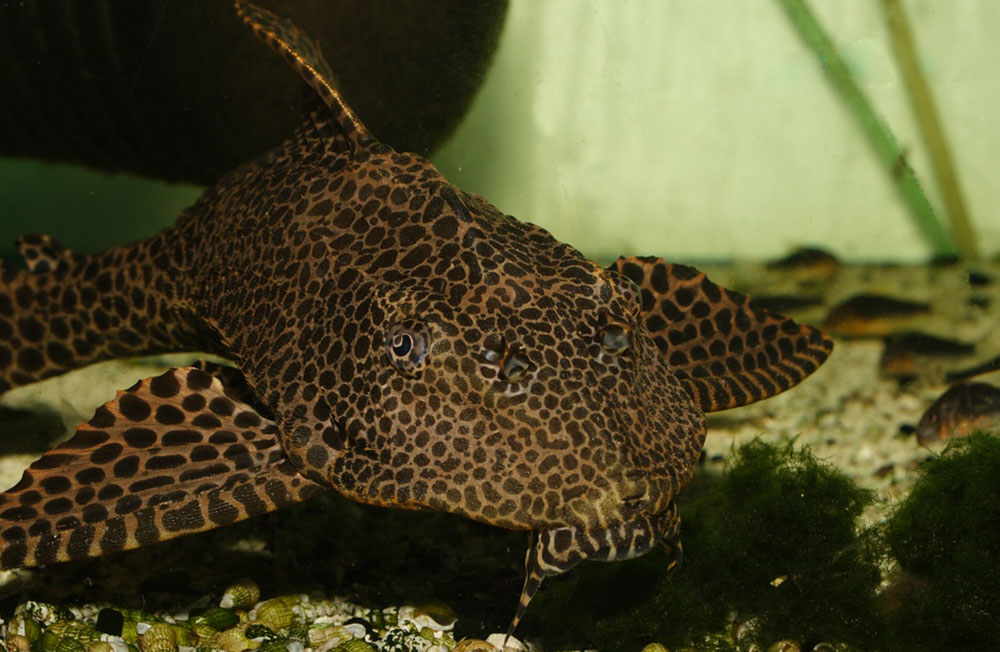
[306,58]
[725,351]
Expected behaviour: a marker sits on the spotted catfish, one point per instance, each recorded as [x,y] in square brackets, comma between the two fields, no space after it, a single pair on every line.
[396,339]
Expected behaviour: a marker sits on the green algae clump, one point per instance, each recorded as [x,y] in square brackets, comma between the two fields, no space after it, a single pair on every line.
[778,543]
[772,550]
[946,539]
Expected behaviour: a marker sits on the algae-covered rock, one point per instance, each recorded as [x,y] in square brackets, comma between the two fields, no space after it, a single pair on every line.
[276,614]
[232,640]
[946,538]
[778,539]
[159,637]
[241,594]
[774,541]
[217,618]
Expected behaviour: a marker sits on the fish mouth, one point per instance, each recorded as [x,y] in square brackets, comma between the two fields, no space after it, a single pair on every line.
[556,550]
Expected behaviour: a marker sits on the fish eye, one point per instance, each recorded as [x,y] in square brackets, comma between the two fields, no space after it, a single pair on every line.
[402,343]
[614,334]
[406,345]
[616,338]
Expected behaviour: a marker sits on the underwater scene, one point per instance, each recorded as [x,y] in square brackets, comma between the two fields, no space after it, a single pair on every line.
[499,325]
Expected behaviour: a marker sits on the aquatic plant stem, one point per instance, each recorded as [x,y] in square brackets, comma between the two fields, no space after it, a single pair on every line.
[889,153]
[930,128]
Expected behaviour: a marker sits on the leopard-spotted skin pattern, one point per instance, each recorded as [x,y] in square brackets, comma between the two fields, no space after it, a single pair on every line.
[725,351]
[399,340]
[175,453]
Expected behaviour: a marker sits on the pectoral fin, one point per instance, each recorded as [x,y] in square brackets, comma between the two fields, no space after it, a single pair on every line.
[173,455]
[725,351]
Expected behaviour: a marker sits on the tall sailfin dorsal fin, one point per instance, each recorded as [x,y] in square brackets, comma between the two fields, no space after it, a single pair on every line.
[306,58]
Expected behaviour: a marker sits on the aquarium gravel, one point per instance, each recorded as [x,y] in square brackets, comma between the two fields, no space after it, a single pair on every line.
[292,623]
[847,413]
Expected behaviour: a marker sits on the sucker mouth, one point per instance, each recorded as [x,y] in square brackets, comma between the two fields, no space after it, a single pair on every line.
[557,550]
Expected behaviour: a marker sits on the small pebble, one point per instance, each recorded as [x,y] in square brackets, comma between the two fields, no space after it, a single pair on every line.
[655,647]
[158,637]
[784,646]
[497,641]
[275,613]
[241,594]
[326,636]
[438,617]
[232,640]
[354,645]
[474,645]
[356,629]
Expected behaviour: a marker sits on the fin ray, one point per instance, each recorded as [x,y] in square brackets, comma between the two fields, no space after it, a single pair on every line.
[307,59]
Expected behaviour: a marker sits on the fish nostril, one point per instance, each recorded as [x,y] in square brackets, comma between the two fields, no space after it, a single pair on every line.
[515,366]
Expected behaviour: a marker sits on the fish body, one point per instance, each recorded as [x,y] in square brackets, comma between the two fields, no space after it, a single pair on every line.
[963,409]
[396,339]
[913,354]
[808,265]
[874,315]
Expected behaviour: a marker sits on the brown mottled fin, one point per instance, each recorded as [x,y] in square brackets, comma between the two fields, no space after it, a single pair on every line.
[43,254]
[173,455]
[307,59]
[725,351]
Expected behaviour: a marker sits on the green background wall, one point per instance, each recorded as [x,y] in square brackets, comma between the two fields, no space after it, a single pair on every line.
[679,128]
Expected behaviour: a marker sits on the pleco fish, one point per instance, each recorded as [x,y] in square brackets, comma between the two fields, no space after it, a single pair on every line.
[397,339]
